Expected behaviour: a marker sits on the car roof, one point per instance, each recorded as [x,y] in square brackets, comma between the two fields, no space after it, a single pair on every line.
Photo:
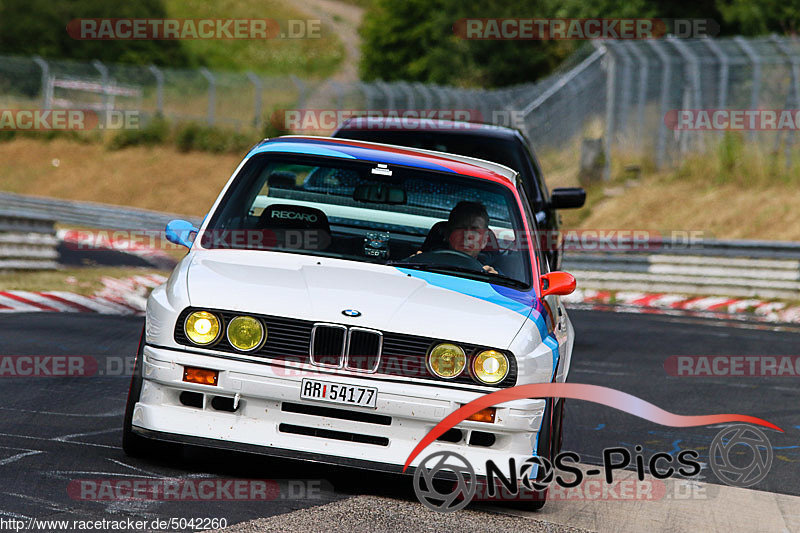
[388,154]
[456,127]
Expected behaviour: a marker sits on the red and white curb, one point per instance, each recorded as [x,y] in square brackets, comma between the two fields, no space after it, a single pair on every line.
[717,305]
[118,297]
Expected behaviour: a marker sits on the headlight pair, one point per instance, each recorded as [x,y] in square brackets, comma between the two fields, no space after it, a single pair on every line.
[245,333]
[449,361]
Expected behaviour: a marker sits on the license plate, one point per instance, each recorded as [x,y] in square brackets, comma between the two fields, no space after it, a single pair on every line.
[326,391]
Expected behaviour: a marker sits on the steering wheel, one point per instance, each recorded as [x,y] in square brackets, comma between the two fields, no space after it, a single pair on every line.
[447,257]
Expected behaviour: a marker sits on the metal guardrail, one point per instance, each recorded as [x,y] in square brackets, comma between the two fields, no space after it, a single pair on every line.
[27,242]
[87,214]
[753,269]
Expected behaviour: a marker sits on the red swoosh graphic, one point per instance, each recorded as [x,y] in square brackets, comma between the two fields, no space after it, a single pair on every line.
[578,391]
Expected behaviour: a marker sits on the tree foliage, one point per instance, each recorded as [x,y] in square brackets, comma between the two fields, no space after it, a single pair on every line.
[414,39]
[30,27]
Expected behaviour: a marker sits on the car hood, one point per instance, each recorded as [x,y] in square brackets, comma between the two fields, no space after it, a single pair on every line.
[388,298]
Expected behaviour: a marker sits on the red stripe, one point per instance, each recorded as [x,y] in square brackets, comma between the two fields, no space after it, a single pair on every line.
[43,307]
[722,304]
[108,301]
[79,307]
[684,303]
[647,300]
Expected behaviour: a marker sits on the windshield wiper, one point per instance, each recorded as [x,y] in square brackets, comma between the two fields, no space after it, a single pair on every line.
[444,269]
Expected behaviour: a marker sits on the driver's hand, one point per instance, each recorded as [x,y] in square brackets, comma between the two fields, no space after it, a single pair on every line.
[489,269]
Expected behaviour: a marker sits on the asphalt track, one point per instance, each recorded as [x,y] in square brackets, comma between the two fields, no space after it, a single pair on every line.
[54,430]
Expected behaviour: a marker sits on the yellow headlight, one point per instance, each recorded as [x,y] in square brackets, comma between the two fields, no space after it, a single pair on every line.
[202,327]
[246,333]
[490,366]
[447,360]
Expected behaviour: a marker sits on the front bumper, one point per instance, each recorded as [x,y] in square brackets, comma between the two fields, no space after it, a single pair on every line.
[268,420]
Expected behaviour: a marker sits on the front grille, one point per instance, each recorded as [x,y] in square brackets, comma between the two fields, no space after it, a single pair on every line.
[332,412]
[395,354]
[328,343]
[331,434]
[364,348]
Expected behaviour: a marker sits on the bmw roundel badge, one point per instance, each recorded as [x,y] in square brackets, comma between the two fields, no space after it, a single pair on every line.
[351,313]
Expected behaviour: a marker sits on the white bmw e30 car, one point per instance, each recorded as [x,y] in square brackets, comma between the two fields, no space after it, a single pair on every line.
[341,298]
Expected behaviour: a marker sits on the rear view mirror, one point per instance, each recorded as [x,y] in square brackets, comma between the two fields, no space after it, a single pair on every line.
[567,198]
[181,232]
[557,283]
[379,194]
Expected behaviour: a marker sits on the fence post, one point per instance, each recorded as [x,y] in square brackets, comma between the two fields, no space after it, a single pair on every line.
[367,89]
[159,76]
[212,93]
[103,70]
[427,98]
[793,93]
[337,88]
[611,92]
[258,87]
[625,92]
[387,91]
[693,98]
[724,68]
[301,91]
[640,97]
[664,101]
[47,97]
[756,60]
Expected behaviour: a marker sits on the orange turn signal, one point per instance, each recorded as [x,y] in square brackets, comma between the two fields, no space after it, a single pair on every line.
[484,415]
[203,376]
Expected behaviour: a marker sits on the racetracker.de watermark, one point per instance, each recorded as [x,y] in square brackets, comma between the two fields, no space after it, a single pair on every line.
[595,240]
[67,119]
[204,489]
[695,366]
[733,119]
[299,120]
[549,29]
[125,29]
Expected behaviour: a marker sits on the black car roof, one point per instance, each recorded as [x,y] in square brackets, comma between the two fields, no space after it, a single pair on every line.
[421,125]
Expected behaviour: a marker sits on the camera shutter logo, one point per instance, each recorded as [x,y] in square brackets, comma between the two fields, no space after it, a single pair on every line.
[462,491]
[736,437]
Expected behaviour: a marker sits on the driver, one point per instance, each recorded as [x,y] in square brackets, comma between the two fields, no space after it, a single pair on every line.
[468,230]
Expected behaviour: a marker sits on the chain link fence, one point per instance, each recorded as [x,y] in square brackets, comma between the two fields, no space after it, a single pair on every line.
[620,91]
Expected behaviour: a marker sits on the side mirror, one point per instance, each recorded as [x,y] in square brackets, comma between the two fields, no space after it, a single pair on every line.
[567,198]
[557,283]
[181,232]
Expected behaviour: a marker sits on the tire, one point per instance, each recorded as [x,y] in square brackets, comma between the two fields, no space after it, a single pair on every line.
[132,444]
[550,440]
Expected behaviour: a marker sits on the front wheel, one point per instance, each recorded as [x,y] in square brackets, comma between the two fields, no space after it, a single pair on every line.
[132,444]
[549,446]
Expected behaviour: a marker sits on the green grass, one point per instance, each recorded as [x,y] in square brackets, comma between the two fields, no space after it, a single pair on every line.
[306,57]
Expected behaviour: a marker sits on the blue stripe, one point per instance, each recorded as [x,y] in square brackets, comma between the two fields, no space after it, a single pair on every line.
[292,147]
[553,344]
[344,151]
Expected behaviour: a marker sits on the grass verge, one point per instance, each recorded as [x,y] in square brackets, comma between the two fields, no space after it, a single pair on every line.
[84,281]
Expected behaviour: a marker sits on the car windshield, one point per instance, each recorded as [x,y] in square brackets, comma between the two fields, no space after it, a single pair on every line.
[404,217]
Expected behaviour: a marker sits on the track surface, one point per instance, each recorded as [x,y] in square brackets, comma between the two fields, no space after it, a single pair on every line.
[54,430]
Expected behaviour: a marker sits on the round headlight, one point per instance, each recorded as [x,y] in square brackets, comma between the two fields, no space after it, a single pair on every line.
[246,333]
[201,327]
[447,360]
[490,366]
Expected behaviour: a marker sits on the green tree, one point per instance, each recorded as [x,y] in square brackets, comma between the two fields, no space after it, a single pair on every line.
[764,16]
[39,27]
